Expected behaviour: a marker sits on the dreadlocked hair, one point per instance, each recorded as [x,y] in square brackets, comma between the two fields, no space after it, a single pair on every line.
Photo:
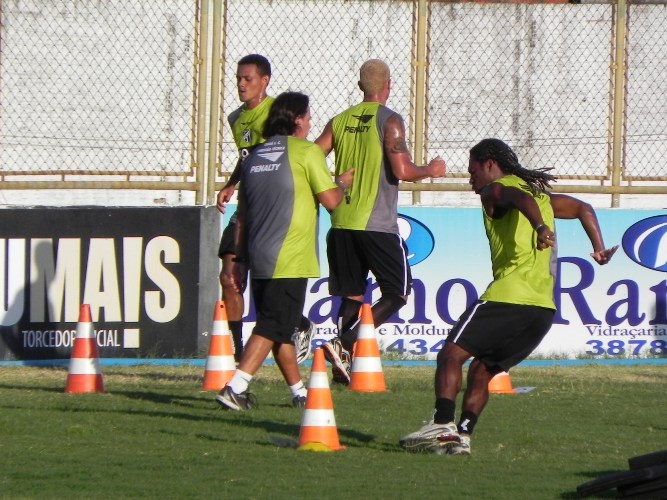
[538,180]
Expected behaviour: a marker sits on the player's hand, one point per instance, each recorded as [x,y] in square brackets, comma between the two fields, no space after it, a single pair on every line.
[604,256]
[344,180]
[224,196]
[436,168]
[545,238]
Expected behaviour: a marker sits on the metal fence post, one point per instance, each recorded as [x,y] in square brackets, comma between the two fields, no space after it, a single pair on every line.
[419,90]
[216,62]
[619,101]
[202,62]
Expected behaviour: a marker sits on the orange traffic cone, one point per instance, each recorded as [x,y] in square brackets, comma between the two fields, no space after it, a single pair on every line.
[220,365]
[84,373]
[366,373]
[318,424]
[501,384]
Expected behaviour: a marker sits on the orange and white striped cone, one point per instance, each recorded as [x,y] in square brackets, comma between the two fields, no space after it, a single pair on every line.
[318,424]
[366,374]
[501,384]
[84,373]
[220,365]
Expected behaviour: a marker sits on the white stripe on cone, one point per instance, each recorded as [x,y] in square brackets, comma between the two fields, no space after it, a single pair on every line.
[220,363]
[84,366]
[363,364]
[318,380]
[318,418]
[85,331]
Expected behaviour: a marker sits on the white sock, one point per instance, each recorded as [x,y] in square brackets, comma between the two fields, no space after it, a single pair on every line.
[240,381]
[298,389]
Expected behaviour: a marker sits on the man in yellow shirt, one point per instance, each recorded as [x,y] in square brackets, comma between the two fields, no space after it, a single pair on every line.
[516,311]
[364,237]
[253,75]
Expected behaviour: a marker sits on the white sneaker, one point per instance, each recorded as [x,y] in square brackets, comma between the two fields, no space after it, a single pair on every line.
[303,343]
[460,448]
[431,437]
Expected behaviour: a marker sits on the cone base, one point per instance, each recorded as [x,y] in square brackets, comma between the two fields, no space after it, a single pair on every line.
[502,391]
[367,382]
[81,384]
[214,381]
[319,447]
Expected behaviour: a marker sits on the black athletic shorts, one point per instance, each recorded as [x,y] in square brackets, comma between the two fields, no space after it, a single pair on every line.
[279,306]
[228,239]
[501,335]
[352,254]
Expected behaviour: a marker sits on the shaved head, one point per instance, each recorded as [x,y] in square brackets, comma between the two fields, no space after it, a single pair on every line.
[373,76]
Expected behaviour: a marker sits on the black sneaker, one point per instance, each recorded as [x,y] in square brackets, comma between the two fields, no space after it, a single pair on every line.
[303,343]
[229,400]
[340,360]
[299,401]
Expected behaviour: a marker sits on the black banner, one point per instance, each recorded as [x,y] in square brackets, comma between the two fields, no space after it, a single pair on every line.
[150,276]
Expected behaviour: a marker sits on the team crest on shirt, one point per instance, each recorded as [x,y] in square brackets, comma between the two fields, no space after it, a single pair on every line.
[247,136]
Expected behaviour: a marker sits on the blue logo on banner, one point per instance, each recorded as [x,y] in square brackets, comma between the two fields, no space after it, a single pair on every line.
[645,242]
[418,238]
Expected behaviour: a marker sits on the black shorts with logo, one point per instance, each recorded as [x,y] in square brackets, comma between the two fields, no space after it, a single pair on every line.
[501,335]
[353,254]
[279,306]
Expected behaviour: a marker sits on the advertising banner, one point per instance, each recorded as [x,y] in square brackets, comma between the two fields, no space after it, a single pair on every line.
[616,310]
[150,276]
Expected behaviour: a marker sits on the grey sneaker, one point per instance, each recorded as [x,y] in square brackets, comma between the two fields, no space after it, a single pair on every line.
[229,400]
[460,448]
[303,343]
[299,401]
[432,438]
[340,360]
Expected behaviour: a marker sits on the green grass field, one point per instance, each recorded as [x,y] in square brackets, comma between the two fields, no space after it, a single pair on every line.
[154,434]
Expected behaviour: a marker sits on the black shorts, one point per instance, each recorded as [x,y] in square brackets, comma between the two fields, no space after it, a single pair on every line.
[228,239]
[279,306]
[501,335]
[352,254]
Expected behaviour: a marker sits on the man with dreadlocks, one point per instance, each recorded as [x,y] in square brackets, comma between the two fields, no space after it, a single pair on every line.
[516,311]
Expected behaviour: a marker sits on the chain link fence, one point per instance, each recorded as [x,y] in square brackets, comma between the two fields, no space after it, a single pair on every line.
[645,131]
[135,94]
[536,76]
[94,90]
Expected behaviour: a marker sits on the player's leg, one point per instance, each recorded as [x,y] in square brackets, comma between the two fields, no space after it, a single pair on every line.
[235,394]
[386,255]
[284,321]
[441,434]
[234,304]
[347,279]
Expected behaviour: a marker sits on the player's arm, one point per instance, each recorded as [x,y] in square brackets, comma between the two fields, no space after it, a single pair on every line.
[498,199]
[396,151]
[226,193]
[568,207]
[331,198]
[325,140]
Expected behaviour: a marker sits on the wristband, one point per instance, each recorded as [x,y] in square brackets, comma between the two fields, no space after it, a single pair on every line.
[238,259]
[539,227]
[340,184]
